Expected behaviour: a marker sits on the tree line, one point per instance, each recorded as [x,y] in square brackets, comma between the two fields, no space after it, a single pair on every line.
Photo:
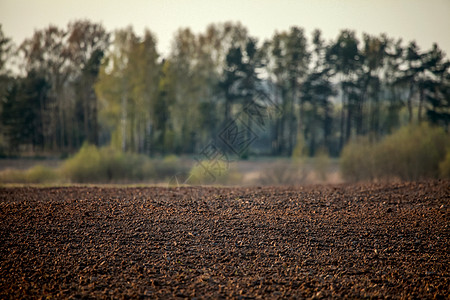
[83,84]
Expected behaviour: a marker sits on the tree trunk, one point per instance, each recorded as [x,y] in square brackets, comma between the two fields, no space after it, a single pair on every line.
[409,103]
[421,98]
[61,126]
[123,123]
[375,116]
[342,132]
[95,122]
[360,107]
[87,134]
[292,127]
[312,145]
[348,128]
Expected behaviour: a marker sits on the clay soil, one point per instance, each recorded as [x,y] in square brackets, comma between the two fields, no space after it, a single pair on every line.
[356,241]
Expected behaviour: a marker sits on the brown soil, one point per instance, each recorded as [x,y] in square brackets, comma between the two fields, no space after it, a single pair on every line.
[365,240]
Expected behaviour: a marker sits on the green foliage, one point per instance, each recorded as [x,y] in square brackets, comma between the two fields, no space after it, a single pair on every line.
[91,164]
[42,174]
[37,174]
[57,106]
[411,153]
[357,162]
[213,172]
[299,151]
[415,152]
[321,164]
[444,166]
[20,114]
[167,167]
[171,159]
[99,165]
[127,89]
[12,176]
[85,166]
[75,87]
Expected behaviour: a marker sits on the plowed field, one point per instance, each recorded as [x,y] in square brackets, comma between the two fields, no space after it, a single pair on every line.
[360,240]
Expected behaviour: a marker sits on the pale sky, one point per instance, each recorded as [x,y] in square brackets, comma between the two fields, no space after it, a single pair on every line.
[425,21]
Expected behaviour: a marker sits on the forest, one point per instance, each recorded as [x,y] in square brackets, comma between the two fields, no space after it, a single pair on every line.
[64,87]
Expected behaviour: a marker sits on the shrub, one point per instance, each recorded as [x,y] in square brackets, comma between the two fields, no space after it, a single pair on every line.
[138,167]
[85,166]
[12,176]
[321,164]
[91,164]
[357,160]
[213,172]
[37,174]
[41,174]
[444,166]
[411,153]
[121,166]
[299,153]
[168,167]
